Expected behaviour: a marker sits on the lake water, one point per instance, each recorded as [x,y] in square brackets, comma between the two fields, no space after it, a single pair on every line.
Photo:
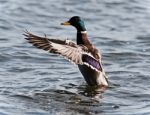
[34,82]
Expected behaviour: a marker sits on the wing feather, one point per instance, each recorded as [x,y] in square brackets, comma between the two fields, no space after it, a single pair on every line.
[65,48]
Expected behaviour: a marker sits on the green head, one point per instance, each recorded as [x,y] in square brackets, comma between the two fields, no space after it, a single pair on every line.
[77,22]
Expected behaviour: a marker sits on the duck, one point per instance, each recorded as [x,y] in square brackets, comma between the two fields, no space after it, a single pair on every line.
[82,52]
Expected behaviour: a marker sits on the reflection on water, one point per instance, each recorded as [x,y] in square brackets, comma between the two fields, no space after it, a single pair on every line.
[93,92]
[66,100]
[33,82]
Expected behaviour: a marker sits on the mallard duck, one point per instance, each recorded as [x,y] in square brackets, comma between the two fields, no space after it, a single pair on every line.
[83,53]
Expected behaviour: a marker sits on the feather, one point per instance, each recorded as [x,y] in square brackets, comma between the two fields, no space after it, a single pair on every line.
[77,54]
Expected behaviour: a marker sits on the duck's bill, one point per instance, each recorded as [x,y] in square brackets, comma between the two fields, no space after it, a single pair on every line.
[65,23]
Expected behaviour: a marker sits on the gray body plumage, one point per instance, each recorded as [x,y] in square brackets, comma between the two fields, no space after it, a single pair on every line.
[93,77]
[89,75]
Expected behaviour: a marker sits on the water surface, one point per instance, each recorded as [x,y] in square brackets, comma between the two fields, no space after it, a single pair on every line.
[33,82]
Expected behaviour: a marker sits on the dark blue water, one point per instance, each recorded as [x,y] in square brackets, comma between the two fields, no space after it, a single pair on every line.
[33,82]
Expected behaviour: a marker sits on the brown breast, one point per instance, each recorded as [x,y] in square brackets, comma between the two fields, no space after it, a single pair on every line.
[90,46]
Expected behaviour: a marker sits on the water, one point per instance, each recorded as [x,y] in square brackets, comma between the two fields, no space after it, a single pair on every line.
[33,82]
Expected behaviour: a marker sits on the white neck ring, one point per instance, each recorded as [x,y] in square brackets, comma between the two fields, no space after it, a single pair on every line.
[83,32]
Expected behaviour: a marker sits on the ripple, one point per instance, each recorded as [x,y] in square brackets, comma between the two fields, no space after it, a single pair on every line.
[35,82]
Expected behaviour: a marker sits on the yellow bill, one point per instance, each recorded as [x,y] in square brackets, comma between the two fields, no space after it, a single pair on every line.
[65,23]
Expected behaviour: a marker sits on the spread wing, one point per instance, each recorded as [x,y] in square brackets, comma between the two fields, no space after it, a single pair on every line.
[70,50]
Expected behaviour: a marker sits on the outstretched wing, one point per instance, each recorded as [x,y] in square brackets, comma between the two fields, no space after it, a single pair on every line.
[70,50]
